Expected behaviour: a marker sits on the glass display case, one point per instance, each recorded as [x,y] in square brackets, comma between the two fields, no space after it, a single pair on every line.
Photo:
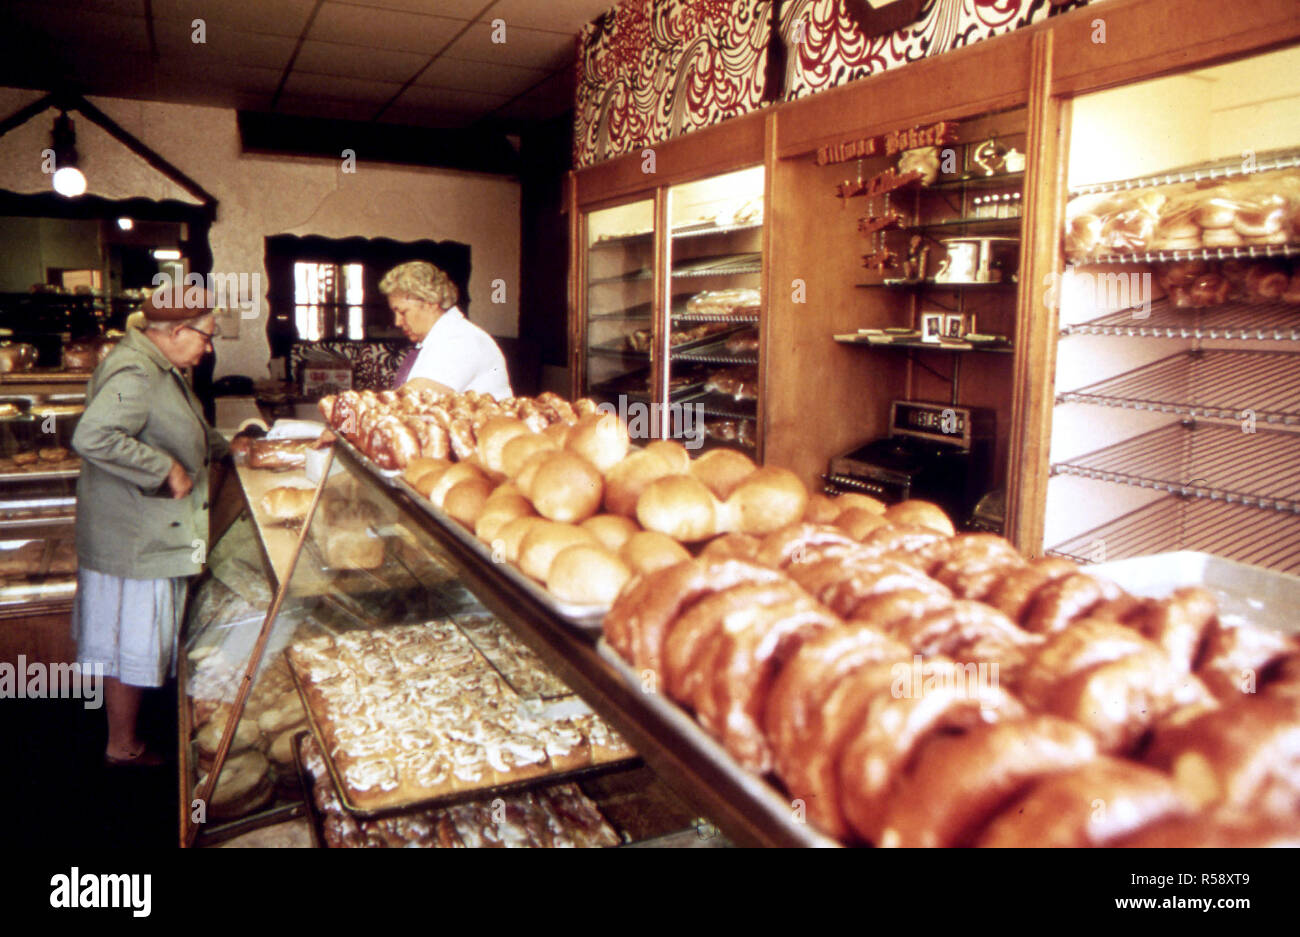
[670,325]
[387,689]
[38,498]
[1175,416]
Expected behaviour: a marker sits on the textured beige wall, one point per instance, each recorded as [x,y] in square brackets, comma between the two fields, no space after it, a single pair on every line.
[261,196]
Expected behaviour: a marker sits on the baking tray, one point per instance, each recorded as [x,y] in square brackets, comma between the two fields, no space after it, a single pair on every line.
[586,617]
[455,797]
[1245,593]
[774,806]
[315,822]
[388,475]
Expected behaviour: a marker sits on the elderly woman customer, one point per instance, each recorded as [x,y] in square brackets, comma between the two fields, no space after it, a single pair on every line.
[142,509]
[451,353]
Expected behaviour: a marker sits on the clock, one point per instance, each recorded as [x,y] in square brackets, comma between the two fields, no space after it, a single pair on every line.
[877,17]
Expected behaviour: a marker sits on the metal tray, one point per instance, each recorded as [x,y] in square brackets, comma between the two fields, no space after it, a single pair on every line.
[1245,593]
[315,822]
[442,800]
[772,803]
[586,617]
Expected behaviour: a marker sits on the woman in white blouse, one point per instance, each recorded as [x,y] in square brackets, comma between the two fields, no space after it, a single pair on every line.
[451,354]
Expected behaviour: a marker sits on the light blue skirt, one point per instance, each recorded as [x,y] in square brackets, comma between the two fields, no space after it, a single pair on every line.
[130,626]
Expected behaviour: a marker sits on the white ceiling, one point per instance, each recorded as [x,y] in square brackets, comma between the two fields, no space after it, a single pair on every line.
[430,63]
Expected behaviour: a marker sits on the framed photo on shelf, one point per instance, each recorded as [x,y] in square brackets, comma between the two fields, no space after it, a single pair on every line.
[932,326]
[955,325]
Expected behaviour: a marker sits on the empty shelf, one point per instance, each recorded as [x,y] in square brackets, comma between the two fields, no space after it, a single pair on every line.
[1262,538]
[1216,384]
[1205,460]
[1235,321]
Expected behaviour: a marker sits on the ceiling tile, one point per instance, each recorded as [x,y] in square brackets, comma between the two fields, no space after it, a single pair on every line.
[280,18]
[343,89]
[313,106]
[224,44]
[492,77]
[194,75]
[561,16]
[120,7]
[61,25]
[449,99]
[334,58]
[388,30]
[456,9]
[527,47]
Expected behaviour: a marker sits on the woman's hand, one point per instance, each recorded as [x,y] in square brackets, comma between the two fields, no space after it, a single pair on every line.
[178,480]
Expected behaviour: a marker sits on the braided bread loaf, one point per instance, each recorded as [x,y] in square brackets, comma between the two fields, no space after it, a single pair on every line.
[909,687]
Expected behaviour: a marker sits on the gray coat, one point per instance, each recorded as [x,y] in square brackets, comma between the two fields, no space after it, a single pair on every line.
[141,414]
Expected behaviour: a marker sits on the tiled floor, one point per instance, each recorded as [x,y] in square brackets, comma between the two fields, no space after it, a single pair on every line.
[55,788]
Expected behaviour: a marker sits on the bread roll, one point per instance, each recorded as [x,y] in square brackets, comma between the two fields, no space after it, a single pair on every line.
[854,500]
[460,472]
[543,542]
[464,501]
[352,549]
[519,449]
[417,468]
[626,481]
[768,500]
[504,490]
[858,522]
[587,575]
[601,439]
[649,550]
[681,507]
[505,545]
[492,438]
[612,530]
[559,432]
[528,471]
[673,453]
[285,505]
[499,511]
[821,509]
[733,546]
[566,488]
[920,514]
[722,470]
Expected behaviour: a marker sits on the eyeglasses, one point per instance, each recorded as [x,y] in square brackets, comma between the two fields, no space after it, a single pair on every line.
[208,336]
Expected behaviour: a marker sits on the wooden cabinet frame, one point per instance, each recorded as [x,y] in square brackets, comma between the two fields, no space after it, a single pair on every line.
[812,390]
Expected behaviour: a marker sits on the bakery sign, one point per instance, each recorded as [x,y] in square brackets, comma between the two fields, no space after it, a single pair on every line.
[945,131]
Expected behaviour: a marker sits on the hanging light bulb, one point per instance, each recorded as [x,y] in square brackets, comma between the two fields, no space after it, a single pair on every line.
[126,224]
[68,180]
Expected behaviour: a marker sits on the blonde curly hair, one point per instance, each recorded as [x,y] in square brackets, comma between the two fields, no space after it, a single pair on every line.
[423,281]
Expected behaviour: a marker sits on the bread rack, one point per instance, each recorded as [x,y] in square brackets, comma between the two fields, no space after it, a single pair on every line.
[1173,523]
[1228,385]
[1200,172]
[1250,252]
[1274,321]
[1202,460]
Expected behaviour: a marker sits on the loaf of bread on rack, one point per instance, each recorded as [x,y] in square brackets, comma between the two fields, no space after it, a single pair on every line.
[286,505]
[913,687]
[277,454]
[733,302]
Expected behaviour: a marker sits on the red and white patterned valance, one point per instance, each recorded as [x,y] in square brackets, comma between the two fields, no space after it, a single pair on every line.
[650,70]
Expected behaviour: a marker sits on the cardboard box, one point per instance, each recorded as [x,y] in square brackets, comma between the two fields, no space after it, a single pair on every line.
[321,376]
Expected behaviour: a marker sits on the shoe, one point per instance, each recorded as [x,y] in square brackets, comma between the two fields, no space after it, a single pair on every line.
[141,759]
